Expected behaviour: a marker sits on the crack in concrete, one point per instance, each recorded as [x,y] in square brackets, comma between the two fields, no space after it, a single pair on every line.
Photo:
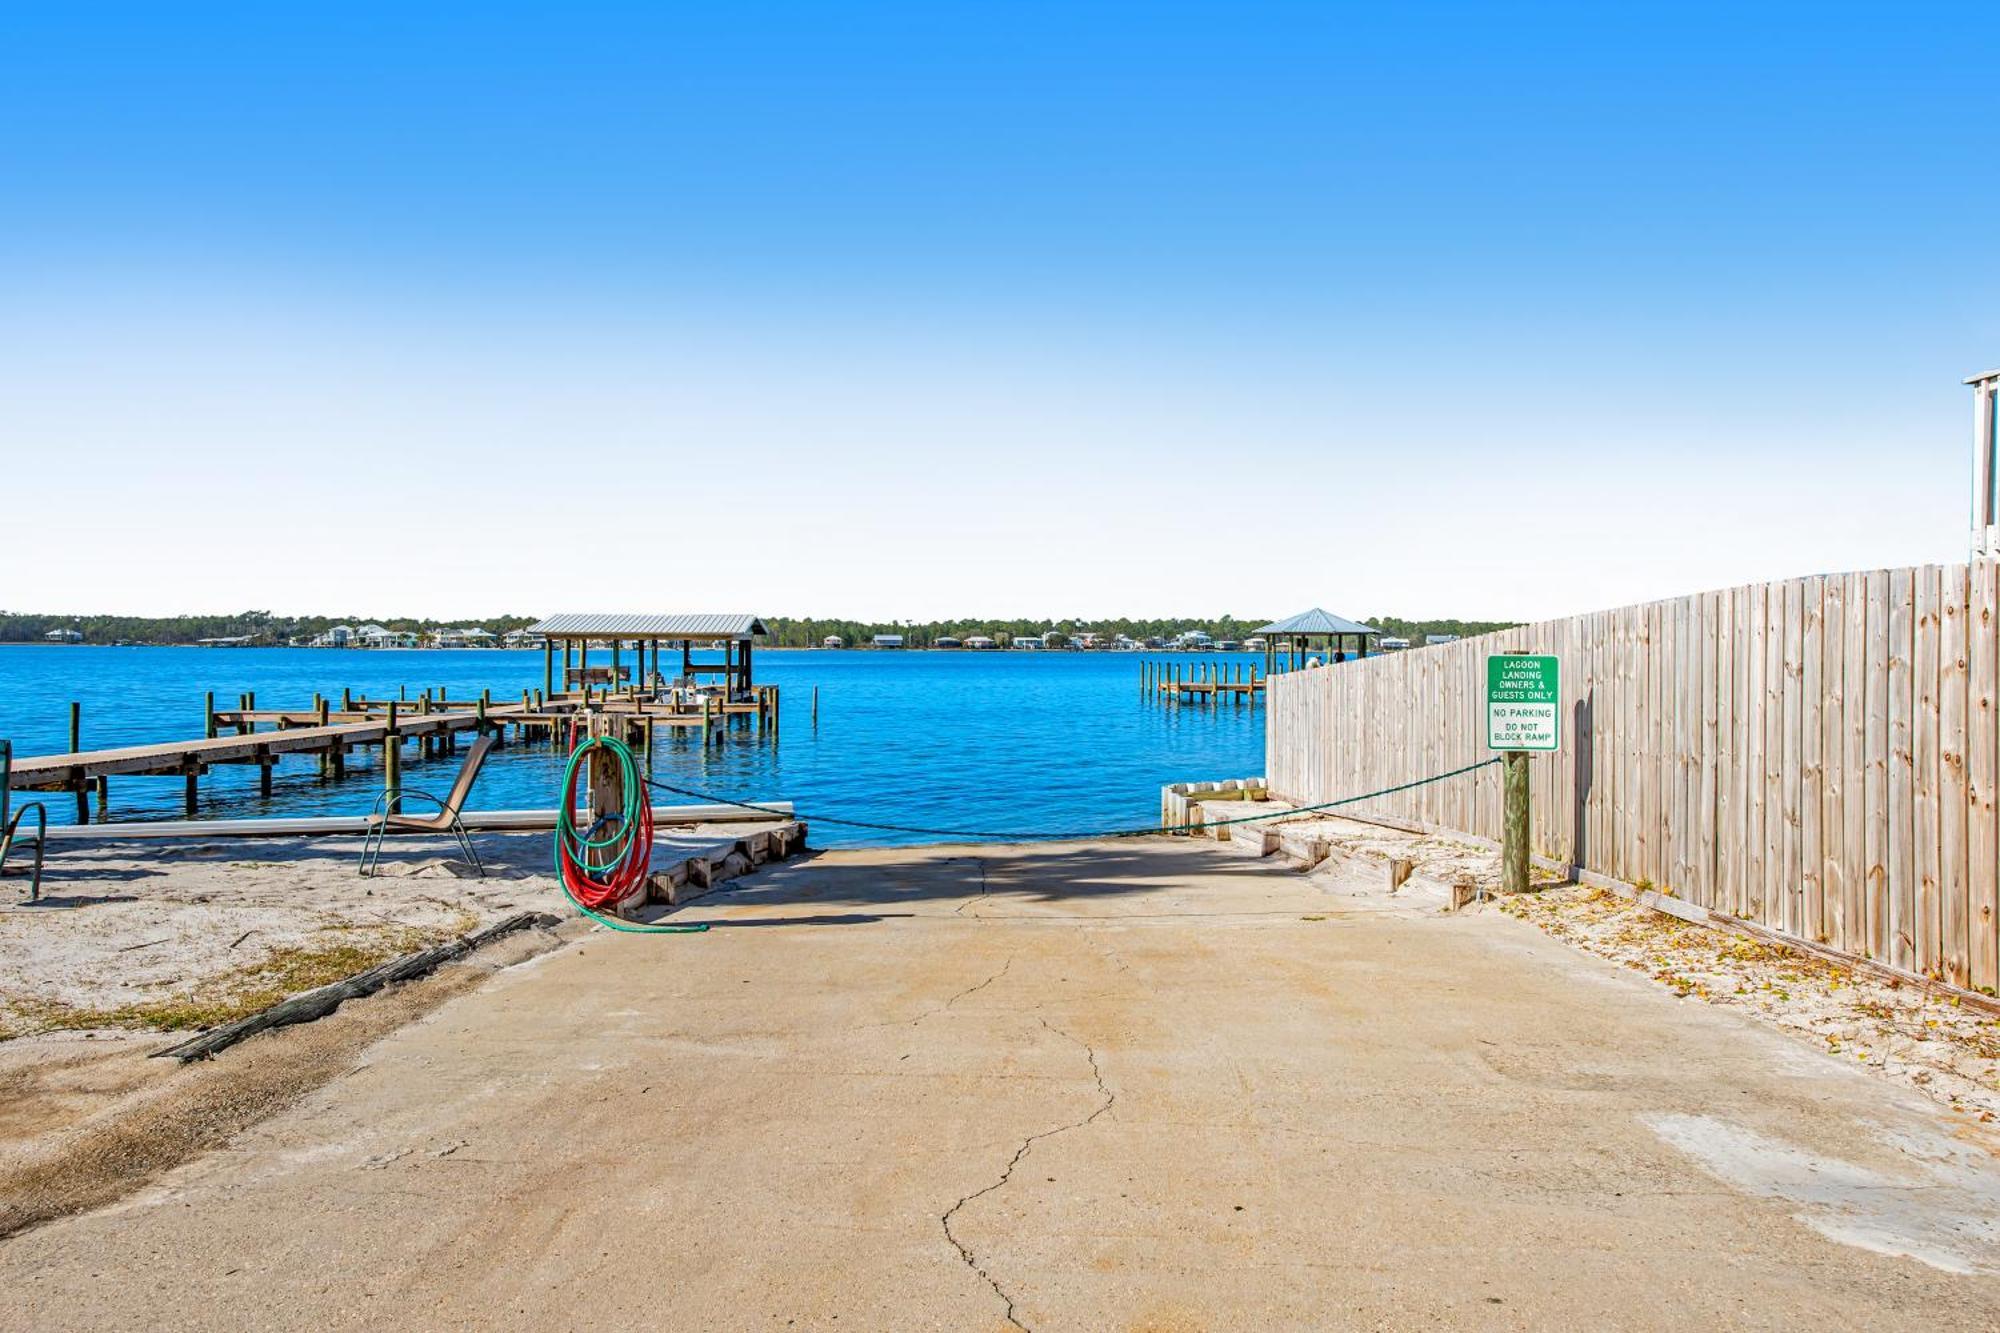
[977,986]
[960,909]
[964,1251]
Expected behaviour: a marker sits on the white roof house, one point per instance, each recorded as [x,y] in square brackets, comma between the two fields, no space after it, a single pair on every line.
[833,641]
[64,636]
[375,636]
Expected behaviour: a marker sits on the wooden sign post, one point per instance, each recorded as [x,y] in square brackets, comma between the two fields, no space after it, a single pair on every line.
[1523,714]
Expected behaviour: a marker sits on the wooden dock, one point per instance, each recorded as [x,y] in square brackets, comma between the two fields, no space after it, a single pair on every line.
[1201,682]
[329,732]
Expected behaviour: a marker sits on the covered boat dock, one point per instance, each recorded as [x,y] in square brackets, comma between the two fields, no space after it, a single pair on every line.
[698,691]
[1290,639]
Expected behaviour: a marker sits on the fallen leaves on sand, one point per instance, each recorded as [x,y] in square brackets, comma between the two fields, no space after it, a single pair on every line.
[1949,1051]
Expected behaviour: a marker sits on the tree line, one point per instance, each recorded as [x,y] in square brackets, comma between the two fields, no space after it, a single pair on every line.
[788,632]
[261,627]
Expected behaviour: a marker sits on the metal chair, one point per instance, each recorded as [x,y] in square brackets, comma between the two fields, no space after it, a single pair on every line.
[384,818]
[10,822]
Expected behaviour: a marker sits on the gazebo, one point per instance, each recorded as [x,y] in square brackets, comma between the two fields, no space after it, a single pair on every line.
[577,632]
[1315,628]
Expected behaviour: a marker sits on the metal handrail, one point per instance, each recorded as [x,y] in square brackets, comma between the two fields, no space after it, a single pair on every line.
[10,822]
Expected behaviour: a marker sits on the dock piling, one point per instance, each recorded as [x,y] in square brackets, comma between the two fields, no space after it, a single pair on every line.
[392,761]
[76,745]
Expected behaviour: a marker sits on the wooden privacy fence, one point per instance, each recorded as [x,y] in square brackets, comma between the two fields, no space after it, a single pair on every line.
[1817,755]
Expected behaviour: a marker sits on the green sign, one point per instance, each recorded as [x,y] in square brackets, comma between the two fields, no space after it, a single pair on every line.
[1523,703]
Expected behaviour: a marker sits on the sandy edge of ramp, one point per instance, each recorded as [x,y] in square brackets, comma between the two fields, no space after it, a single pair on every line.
[157,1119]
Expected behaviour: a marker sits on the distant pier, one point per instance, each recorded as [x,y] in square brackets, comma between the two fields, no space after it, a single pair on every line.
[1200,682]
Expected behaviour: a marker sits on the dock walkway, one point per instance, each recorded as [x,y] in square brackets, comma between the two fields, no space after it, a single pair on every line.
[81,770]
[260,737]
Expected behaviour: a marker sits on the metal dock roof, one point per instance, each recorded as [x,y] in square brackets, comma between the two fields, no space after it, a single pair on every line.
[610,625]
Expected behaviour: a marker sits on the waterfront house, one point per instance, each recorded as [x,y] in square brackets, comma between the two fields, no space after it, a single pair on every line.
[375,636]
[979,642]
[888,641]
[1027,643]
[1393,645]
[335,636]
[64,636]
[833,641]
[1256,643]
[1430,639]
[522,638]
[946,641]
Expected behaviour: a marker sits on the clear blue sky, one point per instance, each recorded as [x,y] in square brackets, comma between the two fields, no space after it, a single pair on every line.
[1002,309]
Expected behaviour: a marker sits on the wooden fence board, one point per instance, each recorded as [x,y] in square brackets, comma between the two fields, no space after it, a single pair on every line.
[1854,792]
[1790,771]
[1705,789]
[1901,808]
[1833,747]
[1750,898]
[1812,688]
[1771,910]
[1954,808]
[1982,856]
[1876,787]
[1924,772]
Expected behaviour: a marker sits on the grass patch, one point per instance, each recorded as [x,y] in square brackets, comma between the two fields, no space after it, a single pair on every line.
[235,994]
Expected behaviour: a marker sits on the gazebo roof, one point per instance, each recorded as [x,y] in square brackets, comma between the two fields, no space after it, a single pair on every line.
[1317,621]
[642,626]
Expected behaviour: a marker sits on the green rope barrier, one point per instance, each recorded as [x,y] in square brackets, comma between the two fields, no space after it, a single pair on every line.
[1075,836]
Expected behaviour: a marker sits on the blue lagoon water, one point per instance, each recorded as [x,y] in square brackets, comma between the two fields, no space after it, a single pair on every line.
[981,741]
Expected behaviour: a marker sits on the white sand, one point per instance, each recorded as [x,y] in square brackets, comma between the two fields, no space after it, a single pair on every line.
[136,922]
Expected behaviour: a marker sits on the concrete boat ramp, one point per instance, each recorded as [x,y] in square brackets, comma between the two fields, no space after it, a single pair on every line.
[1130,1085]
